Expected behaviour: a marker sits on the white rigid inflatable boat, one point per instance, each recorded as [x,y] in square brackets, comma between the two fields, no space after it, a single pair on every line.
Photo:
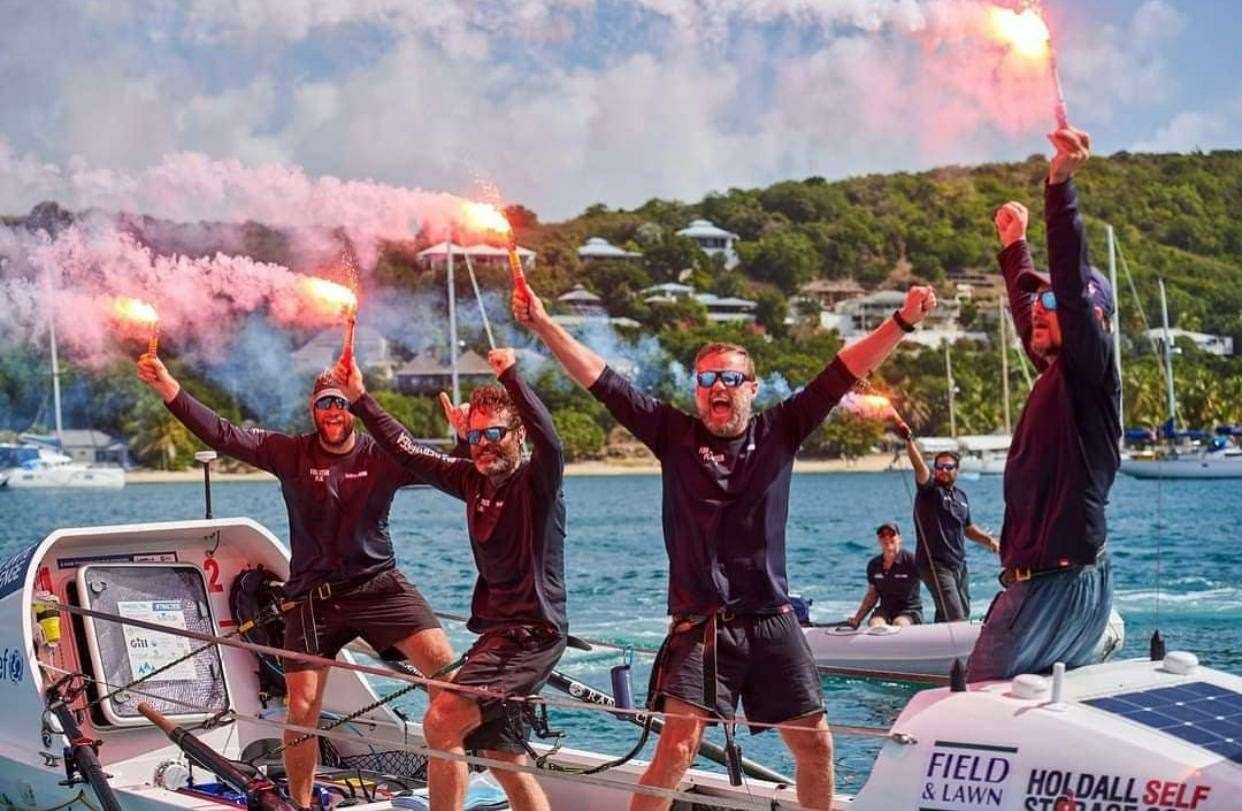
[918,653]
[1132,735]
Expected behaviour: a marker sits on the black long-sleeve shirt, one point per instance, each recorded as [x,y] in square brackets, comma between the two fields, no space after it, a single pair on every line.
[337,503]
[726,501]
[517,530]
[1064,455]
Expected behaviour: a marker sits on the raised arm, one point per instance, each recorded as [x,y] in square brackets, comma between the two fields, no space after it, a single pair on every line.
[258,448]
[578,361]
[1015,259]
[547,453]
[866,354]
[642,415]
[921,474]
[445,473]
[1084,340]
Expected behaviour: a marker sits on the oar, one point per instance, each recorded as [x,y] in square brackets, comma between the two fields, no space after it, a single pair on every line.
[585,692]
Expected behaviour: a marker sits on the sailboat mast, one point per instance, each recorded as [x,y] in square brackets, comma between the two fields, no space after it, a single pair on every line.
[452,315]
[948,372]
[1004,353]
[51,339]
[1168,357]
[1116,325]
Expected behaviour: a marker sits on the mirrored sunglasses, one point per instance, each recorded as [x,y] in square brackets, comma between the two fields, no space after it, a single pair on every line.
[330,402]
[731,379]
[492,433]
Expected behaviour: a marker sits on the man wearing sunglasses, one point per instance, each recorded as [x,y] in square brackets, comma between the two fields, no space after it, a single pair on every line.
[942,523]
[1064,455]
[515,517]
[726,478]
[338,487]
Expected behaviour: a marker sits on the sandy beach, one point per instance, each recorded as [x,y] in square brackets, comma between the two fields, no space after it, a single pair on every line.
[867,464]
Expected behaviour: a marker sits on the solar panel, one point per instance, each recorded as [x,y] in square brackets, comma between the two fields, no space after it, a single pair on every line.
[1204,714]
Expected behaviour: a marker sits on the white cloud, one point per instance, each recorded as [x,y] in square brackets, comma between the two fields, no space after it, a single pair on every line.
[895,84]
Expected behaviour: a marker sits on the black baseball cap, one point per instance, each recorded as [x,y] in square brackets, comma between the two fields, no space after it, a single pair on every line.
[888,526]
[1099,289]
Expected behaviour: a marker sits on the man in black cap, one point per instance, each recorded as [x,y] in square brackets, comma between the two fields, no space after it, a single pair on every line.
[338,486]
[942,523]
[1064,455]
[892,581]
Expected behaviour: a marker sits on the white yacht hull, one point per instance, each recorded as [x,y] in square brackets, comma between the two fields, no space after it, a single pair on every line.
[1184,468]
[64,476]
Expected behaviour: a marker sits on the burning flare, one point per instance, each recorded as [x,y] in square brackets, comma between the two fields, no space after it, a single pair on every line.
[868,406]
[485,217]
[329,296]
[1025,31]
[137,311]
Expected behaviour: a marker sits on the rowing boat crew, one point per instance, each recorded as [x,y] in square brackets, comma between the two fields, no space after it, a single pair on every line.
[726,470]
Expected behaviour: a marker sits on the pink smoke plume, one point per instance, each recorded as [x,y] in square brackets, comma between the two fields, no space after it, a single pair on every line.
[76,277]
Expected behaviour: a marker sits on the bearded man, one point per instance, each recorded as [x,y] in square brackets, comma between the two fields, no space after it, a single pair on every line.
[338,486]
[726,478]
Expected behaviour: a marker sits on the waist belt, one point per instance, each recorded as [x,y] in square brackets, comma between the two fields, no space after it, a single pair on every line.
[711,625]
[1011,575]
[329,591]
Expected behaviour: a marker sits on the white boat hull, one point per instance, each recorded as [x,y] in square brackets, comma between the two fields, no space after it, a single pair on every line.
[1184,468]
[923,653]
[75,476]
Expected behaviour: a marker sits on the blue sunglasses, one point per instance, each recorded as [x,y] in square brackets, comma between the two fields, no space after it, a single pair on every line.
[493,433]
[1049,300]
[330,402]
[730,379]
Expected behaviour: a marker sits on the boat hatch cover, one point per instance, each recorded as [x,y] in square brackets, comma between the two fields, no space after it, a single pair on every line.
[1204,714]
[171,594]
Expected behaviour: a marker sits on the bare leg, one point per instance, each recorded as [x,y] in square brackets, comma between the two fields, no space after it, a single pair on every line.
[305,689]
[429,651]
[449,719]
[902,619]
[876,620]
[678,744]
[522,789]
[812,752]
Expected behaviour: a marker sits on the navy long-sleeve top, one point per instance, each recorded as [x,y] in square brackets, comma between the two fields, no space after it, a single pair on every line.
[726,500]
[1064,455]
[338,504]
[517,529]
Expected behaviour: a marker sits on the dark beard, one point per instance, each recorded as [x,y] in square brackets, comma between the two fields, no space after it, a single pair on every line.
[323,440]
[732,429]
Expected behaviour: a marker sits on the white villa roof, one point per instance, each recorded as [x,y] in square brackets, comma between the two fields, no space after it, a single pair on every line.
[426,364]
[713,300]
[669,288]
[480,250]
[579,295]
[705,228]
[600,248]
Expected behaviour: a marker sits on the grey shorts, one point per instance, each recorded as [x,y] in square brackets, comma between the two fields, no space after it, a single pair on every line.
[1036,623]
[517,662]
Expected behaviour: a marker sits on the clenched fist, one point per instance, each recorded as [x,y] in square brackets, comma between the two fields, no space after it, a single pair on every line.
[1011,220]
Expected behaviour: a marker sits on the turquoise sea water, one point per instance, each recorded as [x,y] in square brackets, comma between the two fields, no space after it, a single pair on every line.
[617,575]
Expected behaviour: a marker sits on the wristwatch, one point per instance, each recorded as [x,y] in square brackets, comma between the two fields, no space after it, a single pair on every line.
[905,325]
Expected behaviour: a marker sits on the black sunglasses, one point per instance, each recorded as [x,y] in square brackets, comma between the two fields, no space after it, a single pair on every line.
[330,402]
[945,466]
[730,379]
[493,433]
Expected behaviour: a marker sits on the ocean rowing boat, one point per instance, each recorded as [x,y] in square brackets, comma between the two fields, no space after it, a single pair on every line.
[80,612]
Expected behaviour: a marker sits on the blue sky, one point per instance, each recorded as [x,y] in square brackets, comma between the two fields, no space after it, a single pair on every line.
[564,103]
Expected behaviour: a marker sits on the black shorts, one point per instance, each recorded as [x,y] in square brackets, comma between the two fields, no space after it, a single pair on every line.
[762,659]
[515,661]
[383,611]
[916,616]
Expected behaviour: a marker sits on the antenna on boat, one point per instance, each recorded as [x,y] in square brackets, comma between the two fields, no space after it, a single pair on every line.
[205,458]
[957,677]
